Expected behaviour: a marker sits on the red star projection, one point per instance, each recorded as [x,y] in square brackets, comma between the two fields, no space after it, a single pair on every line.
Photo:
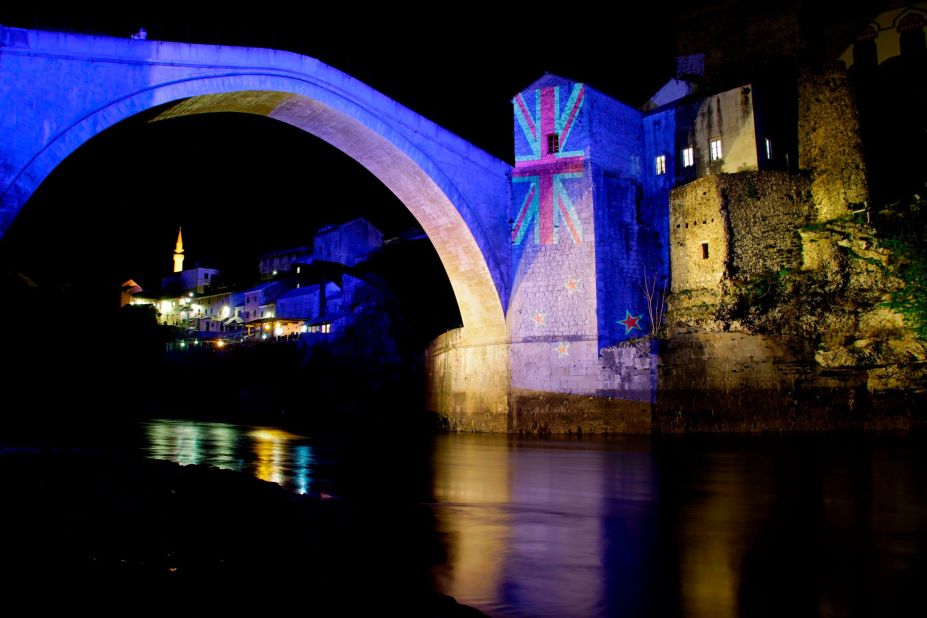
[571,285]
[630,322]
[563,349]
[538,319]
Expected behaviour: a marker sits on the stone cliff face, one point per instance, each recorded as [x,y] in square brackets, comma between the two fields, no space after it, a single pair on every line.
[817,335]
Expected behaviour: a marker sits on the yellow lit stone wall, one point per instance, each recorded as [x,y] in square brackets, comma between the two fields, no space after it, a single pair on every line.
[468,382]
[829,143]
[749,222]
[765,211]
[697,225]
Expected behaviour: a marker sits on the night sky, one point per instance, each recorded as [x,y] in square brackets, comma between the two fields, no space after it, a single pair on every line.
[240,185]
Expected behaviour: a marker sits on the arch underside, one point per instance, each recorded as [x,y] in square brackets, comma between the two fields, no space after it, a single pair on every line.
[387,158]
[62,89]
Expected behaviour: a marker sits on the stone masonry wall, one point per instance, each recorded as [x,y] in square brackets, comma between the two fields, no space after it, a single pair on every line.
[765,211]
[735,381]
[468,383]
[707,380]
[736,225]
[699,236]
[551,314]
[829,142]
[623,376]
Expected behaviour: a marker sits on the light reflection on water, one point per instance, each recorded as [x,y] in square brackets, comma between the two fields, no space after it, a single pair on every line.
[524,522]
[268,453]
[814,526]
[693,526]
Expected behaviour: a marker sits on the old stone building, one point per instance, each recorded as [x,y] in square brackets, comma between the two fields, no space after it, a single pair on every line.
[778,314]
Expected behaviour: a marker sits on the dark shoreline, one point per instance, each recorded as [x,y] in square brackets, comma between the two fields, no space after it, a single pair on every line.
[78,519]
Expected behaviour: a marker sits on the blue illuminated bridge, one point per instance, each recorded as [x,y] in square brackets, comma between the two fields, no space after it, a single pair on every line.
[536,314]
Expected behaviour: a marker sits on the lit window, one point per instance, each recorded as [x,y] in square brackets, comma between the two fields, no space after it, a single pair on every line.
[768,149]
[715,149]
[688,157]
[553,143]
[660,165]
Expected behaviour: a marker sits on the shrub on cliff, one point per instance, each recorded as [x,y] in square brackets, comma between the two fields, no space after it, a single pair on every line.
[902,227]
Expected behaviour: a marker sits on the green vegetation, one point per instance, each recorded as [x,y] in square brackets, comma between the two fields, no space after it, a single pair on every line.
[757,295]
[902,227]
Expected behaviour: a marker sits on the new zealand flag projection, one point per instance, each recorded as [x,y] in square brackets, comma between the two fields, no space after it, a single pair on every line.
[546,122]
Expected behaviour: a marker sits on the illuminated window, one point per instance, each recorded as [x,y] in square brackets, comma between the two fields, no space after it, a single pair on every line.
[688,157]
[768,149]
[715,149]
[553,143]
[704,250]
[660,164]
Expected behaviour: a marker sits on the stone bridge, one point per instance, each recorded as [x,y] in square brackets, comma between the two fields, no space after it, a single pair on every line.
[539,255]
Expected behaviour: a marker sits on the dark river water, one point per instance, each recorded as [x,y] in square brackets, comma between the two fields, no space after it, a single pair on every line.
[819,525]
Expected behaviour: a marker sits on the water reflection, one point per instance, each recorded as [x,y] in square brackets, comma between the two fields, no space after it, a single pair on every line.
[728,498]
[529,523]
[758,526]
[268,453]
[270,446]
[692,527]
[472,485]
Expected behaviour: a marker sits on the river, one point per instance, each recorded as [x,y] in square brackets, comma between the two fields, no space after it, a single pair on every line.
[808,525]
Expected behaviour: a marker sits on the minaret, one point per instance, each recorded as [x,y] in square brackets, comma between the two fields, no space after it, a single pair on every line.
[178,253]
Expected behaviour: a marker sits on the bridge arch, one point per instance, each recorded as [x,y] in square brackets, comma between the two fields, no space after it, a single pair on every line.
[449,186]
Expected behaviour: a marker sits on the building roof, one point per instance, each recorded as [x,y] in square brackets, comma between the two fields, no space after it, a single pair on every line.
[312,288]
[257,321]
[672,91]
[260,287]
[696,95]
[548,79]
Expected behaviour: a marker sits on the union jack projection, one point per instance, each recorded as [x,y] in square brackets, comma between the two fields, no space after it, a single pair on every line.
[547,126]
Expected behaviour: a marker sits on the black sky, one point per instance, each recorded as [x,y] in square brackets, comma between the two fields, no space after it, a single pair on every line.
[459,69]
